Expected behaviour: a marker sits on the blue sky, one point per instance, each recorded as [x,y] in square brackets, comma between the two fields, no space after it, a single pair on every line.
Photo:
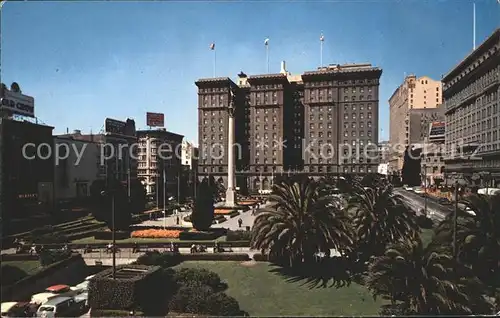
[84,61]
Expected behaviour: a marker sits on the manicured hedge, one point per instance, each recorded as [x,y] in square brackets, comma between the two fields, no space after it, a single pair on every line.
[216,257]
[108,235]
[155,258]
[11,274]
[142,290]
[18,257]
[233,214]
[114,313]
[199,236]
[238,235]
[48,257]
[260,258]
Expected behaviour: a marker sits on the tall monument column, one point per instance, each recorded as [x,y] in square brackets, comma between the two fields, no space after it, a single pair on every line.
[230,193]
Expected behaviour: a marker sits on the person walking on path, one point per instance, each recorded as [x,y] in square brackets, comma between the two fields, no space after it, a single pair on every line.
[240,222]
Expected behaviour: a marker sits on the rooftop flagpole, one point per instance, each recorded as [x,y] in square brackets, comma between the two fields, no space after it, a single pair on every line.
[474,25]
[321,40]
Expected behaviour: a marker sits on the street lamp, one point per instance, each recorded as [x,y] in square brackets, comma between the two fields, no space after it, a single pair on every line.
[425,189]
[104,194]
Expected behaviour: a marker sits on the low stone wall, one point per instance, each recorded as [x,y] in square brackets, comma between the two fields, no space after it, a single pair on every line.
[70,271]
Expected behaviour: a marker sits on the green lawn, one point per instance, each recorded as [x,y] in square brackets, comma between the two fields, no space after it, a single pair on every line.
[263,293]
[29,267]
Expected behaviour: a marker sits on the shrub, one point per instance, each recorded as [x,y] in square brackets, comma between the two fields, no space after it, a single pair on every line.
[165,259]
[220,304]
[197,276]
[154,233]
[198,236]
[191,298]
[48,257]
[203,211]
[11,274]
[128,291]
[238,236]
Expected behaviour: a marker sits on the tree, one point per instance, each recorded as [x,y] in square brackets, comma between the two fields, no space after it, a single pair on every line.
[203,211]
[105,194]
[138,197]
[411,168]
[478,236]
[426,281]
[300,223]
[379,218]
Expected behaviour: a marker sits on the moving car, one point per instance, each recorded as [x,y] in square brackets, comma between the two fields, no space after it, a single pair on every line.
[407,188]
[444,201]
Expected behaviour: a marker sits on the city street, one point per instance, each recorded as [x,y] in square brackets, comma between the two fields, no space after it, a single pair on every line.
[434,210]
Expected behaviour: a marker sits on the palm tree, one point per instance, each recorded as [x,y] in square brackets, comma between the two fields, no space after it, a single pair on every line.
[478,236]
[379,218]
[300,223]
[426,281]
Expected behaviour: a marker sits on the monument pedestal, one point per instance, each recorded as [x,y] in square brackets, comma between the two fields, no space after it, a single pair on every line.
[230,198]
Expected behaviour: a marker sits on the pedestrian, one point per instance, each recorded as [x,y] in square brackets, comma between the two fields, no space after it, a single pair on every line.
[178,220]
[240,222]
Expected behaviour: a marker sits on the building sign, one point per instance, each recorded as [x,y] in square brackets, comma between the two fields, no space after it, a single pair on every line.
[155,119]
[437,128]
[114,126]
[125,128]
[17,103]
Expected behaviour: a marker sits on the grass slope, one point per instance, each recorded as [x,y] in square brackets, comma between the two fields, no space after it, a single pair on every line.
[263,293]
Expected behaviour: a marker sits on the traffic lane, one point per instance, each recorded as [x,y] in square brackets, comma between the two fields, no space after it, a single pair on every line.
[417,202]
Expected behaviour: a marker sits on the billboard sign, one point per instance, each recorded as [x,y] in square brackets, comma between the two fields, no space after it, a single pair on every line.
[155,119]
[17,103]
[118,127]
[114,126]
[437,128]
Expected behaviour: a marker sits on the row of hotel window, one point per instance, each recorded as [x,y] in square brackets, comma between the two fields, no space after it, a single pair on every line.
[475,87]
[488,100]
[320,169]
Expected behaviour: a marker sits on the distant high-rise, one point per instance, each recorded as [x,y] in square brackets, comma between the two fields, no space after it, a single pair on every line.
[290,124]
[412,106]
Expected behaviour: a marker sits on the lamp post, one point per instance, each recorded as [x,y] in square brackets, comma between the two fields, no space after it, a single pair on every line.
[455,213]
[425,189]
[104,193]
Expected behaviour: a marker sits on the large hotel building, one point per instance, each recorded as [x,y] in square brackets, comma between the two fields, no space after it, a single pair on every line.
[471,97]
[317,123]
[413,106]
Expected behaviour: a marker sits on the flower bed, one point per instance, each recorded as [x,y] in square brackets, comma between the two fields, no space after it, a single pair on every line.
[223,211]
[153,233]
[248,202]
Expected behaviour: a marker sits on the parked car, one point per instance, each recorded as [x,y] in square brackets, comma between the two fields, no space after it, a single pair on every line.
[18,309]
[407,188]
[59,306]
[82,300]
[52,292]
[444,201]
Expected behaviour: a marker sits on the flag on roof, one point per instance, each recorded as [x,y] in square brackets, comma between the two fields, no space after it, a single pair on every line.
[322,38]
[212,46]
[266,41]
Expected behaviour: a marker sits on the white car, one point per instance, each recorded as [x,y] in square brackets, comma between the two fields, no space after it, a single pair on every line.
[407,188]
